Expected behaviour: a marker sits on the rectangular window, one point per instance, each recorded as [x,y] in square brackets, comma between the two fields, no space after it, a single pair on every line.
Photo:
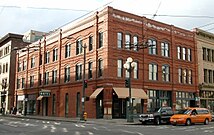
[210,76]
[153,72]
[135,43]
[90,70]
[153,46]
[184,76]
[55,54]
[208,55]
[79,47]
[18,84]
[128,41]
[119,68]
[67,50]
[179,52]
[46,78]
[6,67]
[19,66]
[54,76]
[100,39]
[32,62]
[90,43]
[204,53]
[180,75]
[189,57]
[40,59]
[31,81]
[119,40]
[184,53]
[135,70]
[40,79]
[78,72]
[205,76]
[165,49]
[165,73]
[24,65]
[100,68]
[67,74]
[23,83]
[190,77]
[47,57]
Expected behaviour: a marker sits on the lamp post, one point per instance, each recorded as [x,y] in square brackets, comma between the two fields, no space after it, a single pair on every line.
[83,83]
[129,66]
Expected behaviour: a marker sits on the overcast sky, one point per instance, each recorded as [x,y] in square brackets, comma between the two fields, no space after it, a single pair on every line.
[19,16]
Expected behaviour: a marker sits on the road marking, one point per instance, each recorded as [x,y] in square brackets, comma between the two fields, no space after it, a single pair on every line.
[126,131]
[44,126]
[53,128]
[64,130]
[90,133]
[95,128]
[208,131]
[79,125]
[77,133]
[57,123]
[139,133]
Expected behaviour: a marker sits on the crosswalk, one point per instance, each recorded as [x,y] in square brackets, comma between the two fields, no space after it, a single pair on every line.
[92,129]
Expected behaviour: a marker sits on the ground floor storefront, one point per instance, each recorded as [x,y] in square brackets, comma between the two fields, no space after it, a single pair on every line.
[105,102]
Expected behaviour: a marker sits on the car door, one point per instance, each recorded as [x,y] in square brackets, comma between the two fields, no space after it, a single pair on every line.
[193,116]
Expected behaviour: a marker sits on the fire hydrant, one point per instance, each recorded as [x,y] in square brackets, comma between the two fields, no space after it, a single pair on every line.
[85,116]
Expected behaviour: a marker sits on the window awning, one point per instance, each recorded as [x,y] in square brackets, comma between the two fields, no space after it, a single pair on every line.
[135,93]
[40,98]
[96,92]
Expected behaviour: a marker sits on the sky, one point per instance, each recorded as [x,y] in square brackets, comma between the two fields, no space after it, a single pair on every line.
[19,16]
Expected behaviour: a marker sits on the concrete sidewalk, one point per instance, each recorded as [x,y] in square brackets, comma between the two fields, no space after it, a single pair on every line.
[76,120]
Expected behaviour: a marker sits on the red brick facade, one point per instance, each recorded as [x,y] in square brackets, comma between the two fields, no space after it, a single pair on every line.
[109,22]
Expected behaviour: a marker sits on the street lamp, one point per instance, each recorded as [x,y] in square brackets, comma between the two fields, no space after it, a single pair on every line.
[129,65]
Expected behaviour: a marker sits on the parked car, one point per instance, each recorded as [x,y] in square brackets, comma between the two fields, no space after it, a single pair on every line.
[161,115]
[213,116]
[189,116]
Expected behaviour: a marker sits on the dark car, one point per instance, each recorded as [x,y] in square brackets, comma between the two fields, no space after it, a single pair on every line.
[161,115]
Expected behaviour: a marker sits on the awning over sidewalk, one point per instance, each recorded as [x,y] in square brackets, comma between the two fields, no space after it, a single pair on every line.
[135,93]
[40,98]
[96,92]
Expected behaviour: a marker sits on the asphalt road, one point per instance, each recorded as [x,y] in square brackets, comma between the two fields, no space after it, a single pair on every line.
[19,126]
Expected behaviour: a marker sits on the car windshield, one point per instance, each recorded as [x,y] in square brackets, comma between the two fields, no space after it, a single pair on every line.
[184,111]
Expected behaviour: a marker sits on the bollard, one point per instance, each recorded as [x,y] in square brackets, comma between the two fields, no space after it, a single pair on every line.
[85,116]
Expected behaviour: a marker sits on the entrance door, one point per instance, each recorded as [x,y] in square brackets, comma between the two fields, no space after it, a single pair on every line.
[78,105]
[45,106]
[119,107]
[99,105]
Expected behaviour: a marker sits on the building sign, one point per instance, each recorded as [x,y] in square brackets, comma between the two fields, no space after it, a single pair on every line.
[45,93]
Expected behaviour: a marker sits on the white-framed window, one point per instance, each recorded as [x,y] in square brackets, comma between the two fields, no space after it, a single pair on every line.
[180,75]
[46,78]
[100,68]
[55,54]
[165,73]
[119,68]
[67,74]
[67,50]
[31,81]
[179,52]
[189,55]
[79,47]
[153,72]
[47,57]
[165,49]
[184,53]
[128,41]
[100,39]
[135,43]
[153,46]
[54,76]
[119,40]
[78,71]
[32,62]
[135,70]
[190,76]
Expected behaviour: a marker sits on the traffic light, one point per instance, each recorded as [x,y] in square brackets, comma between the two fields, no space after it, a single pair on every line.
[127,83]
[85,83]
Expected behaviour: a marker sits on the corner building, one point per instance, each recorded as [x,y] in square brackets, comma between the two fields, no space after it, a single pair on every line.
[165,72]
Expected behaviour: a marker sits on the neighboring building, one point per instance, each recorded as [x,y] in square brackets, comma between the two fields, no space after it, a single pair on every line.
[32,36]
[205,48]
[166,71]
[8,44]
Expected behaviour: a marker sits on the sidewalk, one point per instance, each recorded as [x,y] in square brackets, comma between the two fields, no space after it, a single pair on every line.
[75,120]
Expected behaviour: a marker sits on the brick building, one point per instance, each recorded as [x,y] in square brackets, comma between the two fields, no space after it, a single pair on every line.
[165,73]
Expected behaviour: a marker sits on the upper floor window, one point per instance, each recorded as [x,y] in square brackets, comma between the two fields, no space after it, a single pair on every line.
[205,75]
[67,50]
[32,62]
[119,40]
[47,57]
[153,72]
[89,70]
[90,43]
[23,83]
[18,84]
[165,73]
[204,53]
[184,76]
[135,43]
[190,77]
[40,79]
[100,68]
[31,81]
[128,41]
[40,59]
[184,53]
[1,69]
[153,46]
[54,76]
[165,49]
[179,52]
[19,66]
[67,74]
[24,65]
[189,57]
[7,67]
[79,47]
[46,78]
[180,75]
[120,68]
[55,54]
[78,71]
[208,55]
[135,70]
[100,39]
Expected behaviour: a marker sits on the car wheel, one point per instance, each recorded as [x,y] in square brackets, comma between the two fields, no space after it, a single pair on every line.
[206,121]
[144,123]
[157,121]
[188,122]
